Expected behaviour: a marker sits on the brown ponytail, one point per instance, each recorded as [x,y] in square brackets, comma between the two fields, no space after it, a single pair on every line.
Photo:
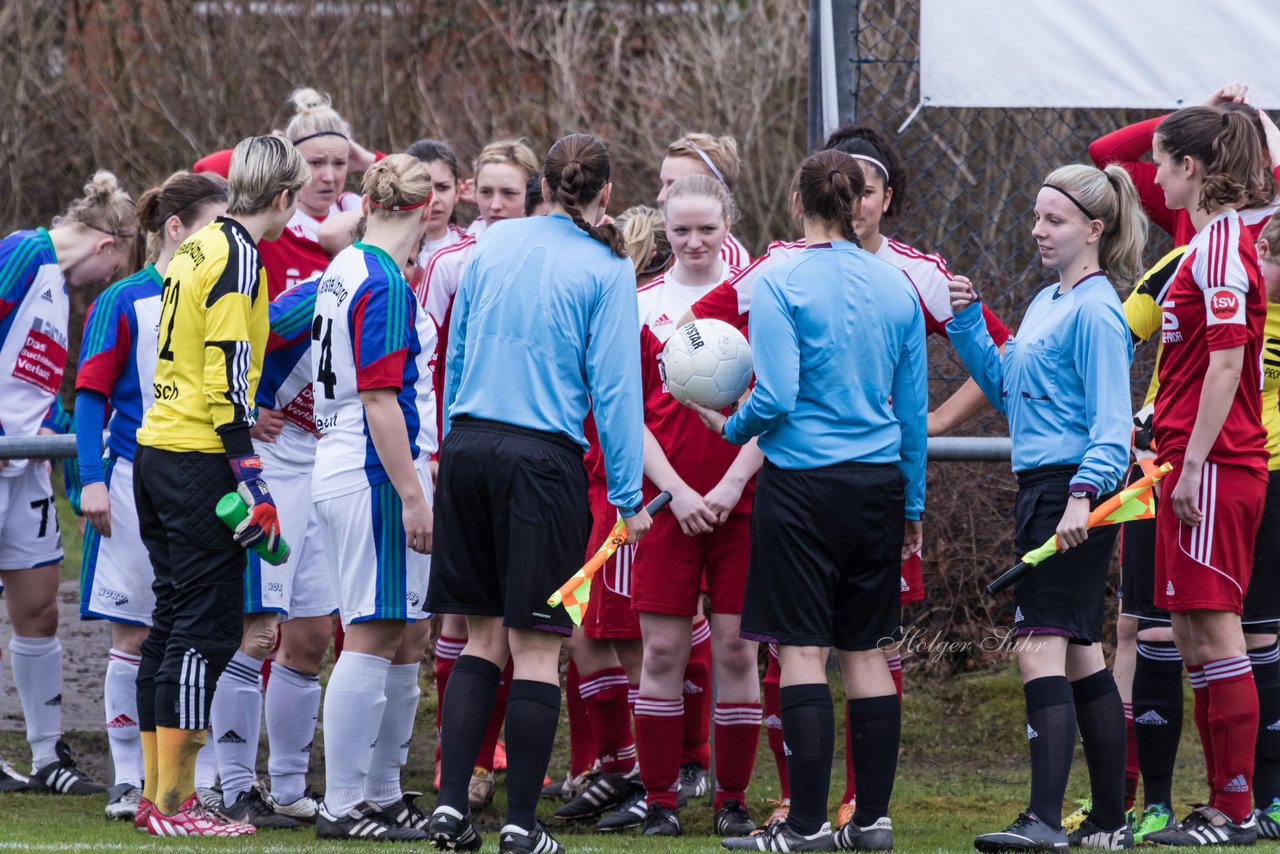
[183,195]
[831,184]
[576,171]
[1227,145]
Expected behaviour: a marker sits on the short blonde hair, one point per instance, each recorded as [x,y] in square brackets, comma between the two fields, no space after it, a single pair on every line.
[397,181]
[261,168]
[719,153]
[313,114]
[514,152]
[703,185]
[645,234]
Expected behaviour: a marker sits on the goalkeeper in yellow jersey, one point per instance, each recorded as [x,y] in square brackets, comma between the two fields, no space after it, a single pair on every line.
[193,448]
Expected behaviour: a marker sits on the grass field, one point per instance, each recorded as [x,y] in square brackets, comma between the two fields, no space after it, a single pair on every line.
[962,772]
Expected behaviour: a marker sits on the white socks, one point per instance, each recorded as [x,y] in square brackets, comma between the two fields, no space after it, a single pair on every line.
[392,750]
[353,704]
[293,702]
[37,673]
[207,764]
[236,717]
[120,700]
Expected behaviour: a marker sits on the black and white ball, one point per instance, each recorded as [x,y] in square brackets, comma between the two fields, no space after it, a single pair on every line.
[707,362]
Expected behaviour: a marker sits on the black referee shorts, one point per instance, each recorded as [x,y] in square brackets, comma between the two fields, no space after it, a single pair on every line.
[199,584]
[1064,594]
[826,556]
[1262,599]
[511,523]
[1138,570]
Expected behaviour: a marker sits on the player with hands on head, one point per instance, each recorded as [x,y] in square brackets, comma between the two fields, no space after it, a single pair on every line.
[114,386]
[833,328]
[1208,424]
[371,351]
[545,326]
[86,245]
[194,447]
[1063,383]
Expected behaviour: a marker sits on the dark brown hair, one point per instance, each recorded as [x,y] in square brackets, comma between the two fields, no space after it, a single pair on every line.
[576,170]
[1227,145]
[830,184]
[183,195]
[431,150]
[860,139]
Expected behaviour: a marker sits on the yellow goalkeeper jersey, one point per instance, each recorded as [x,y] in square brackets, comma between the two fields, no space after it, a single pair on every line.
[1143,312]
[213,333]
[1271,383]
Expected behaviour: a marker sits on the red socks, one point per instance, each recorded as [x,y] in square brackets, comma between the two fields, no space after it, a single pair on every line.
[604,699]
[737,736]
[1233,724]
[496,717]
[659,727]
[697,699]
[773,721]
[447,651]
[582,738]
[1200,693]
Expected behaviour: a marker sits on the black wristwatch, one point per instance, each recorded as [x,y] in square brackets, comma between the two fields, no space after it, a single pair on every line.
[1081,493]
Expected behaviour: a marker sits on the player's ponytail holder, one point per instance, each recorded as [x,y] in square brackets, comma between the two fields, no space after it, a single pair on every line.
[398,208]
[1087,213]
[319,134]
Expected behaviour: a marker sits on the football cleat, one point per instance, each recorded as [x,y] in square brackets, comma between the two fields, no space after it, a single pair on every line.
[630,813]
[781,837]
[732,819]
[122,802]
[480,789]
[364,821]
[194,819]
[449,830]
[1207,826]
[604,793]
[250,807]
[877,836]
[661,821]
[517,840]
[62,777]
[1027,833]
[1089,835]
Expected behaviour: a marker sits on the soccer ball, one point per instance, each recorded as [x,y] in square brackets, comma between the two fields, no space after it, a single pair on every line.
[707,362]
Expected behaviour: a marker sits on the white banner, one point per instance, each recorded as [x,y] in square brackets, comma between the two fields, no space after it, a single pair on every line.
[1154,54]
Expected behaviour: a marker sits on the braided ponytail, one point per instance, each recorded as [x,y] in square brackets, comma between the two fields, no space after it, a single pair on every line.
[576,172]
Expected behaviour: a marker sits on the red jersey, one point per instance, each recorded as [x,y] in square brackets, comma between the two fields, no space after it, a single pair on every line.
[1215,301]
[699,456]
[296,255]
[1127,146]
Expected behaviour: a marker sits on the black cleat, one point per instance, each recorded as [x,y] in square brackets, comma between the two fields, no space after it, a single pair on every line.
[732,819]
[661,821]
[62,777]
[1089,835]
[779,836]
[365,821]
[11,779]
[877,836]
[1027,833]
[405,813]
[516,840]
[630,813]
[450,830]
[693,782]
[250,808]
[1207,826]
[604,793]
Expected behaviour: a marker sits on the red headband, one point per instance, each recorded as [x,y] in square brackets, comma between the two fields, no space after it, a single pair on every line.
[414,206]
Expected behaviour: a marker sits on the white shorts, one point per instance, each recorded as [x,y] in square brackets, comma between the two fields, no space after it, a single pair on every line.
[302,586]
[29,535]
[378,576]
[116,573]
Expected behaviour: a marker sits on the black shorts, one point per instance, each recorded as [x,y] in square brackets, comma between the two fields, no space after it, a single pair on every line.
[826,555]
[1065,594]
[1138,569]
[511,523]
[1262,599]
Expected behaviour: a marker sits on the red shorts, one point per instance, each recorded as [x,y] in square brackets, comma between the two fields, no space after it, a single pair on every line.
[912,580]
[1207,567]
[609,613]
[670,567]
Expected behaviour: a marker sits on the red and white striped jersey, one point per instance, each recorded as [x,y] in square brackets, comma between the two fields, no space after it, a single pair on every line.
[296,255]
[733,253]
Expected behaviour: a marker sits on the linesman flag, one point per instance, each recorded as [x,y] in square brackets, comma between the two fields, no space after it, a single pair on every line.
[576,592]
[1136,502]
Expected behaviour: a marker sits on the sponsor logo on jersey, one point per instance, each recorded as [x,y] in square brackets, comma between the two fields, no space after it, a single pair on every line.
[163,391]
[664,320]
[42,358]
[1223,304]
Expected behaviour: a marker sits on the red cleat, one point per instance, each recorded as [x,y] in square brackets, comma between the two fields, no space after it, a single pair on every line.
[193,819]
[145,808]
[499,757]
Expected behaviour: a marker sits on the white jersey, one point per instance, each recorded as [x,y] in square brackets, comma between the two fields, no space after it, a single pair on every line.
[303,224]
[285,383]
[441,276]
[733,253]
[33,324]
[369,332]
[930,276]
[452,235]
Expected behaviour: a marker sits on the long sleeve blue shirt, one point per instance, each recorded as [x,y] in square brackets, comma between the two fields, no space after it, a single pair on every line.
[1063,381]
[839,353]
[545,326]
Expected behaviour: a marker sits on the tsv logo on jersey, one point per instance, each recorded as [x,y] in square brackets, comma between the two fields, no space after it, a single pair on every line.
[1224,306]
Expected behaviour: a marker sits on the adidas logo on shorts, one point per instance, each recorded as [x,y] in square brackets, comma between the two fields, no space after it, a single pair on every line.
[1031,733]
[1017,615]
[1168,589]
[231,737]
[1151,718]
[1237,784]
[306,749]
[1275,727]
[906,588]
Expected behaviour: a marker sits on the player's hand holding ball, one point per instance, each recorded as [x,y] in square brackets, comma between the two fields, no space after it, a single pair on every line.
[963,293]
[262,525]
[418,525]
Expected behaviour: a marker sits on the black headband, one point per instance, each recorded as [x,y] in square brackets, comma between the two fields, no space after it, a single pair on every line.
[1088,213]
[297,142]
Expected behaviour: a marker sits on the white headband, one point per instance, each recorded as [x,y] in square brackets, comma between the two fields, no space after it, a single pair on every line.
[876,163]
[710,165]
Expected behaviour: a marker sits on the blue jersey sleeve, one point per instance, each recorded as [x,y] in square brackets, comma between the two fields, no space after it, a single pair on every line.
[968,333]
[291,314]
[106,344]
[1103,350]
[91,418]
[911,407]
[20,259]
[776,344]
[613,379]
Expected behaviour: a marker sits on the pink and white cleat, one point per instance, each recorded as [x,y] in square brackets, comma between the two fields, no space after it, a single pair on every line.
[194,819]
[141,817]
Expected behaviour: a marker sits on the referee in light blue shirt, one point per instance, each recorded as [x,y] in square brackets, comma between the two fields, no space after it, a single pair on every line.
[840,406]
[1063,383]
[544,323]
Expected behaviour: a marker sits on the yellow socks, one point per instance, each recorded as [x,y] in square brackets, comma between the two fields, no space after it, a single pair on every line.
[150,766]
[176,751]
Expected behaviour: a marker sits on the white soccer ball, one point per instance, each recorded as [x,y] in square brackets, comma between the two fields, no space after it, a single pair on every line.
[707,362]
